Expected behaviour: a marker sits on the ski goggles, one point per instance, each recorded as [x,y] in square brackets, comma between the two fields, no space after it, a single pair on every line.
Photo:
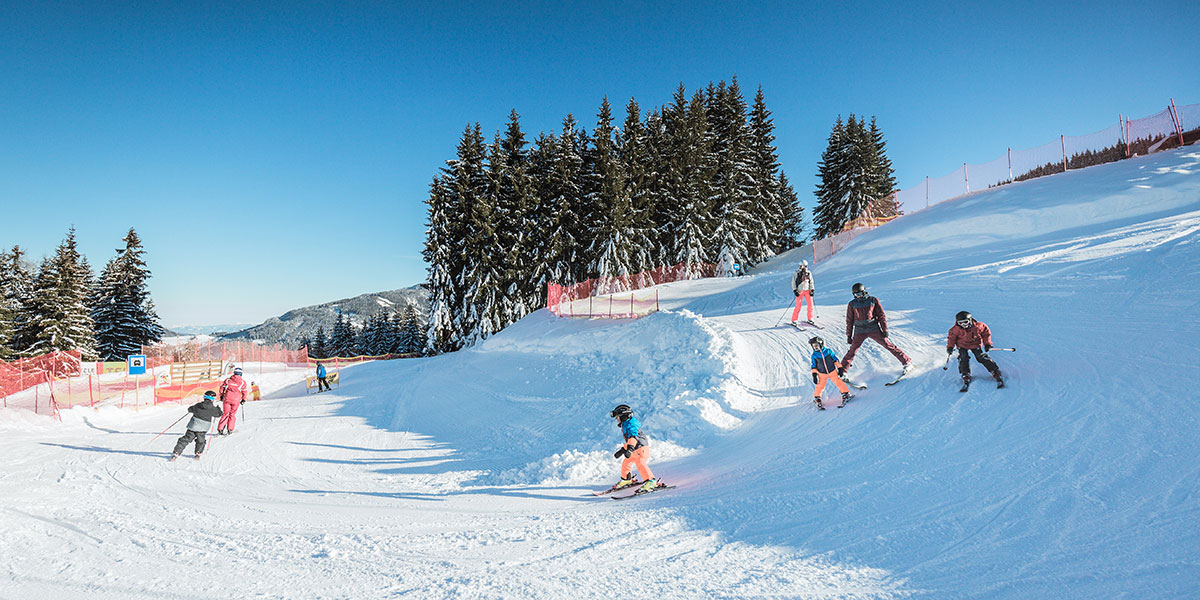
[864,295]
[963,324]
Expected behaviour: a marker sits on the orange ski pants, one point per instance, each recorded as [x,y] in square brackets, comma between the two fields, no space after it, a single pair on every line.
[805,296]
[638,458]
[826,377]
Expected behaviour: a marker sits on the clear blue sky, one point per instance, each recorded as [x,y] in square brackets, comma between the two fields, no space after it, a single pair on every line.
[273,157]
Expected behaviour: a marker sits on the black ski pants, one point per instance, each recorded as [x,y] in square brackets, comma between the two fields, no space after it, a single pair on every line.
[964,360]
[321,381]
[201,438]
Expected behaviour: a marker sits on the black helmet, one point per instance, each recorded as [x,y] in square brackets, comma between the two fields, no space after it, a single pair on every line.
[210,395]
[622,412]
[858,289]
[816,342]
[964,319]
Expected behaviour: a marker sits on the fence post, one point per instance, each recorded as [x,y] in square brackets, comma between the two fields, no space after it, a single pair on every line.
[966,179]
[656,307]
[1010,165]
[1128,150]
[631,313]
[610,303]
[91,397]
[1063,140]
[1175,118]
[926,191]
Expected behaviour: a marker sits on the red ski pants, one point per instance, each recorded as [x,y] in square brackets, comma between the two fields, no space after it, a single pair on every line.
[887,344]
[824,378]
[804,297]
[639,458]
[228,417]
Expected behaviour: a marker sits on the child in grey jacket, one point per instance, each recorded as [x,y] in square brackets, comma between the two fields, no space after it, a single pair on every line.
[203,412]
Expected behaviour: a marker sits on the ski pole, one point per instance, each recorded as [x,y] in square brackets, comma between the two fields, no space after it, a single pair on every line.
[782,316]
[167,429]
[1004,349]
[947,365]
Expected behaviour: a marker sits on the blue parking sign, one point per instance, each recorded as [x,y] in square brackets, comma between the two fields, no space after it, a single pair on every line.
[137,364]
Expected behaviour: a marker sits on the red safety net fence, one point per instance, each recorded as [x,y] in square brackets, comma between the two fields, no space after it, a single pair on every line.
[27,383]
[604,297]
[236,352]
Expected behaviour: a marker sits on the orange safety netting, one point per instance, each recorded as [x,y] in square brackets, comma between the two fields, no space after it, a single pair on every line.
[235,352]
[27,383]
[595,297]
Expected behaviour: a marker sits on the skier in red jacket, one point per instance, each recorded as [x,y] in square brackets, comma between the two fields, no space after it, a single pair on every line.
[865,319]
[972,337]
[234,392]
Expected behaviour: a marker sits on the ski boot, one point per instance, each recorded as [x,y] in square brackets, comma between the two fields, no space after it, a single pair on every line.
[966,382]
[173,457]
[197,456]
[820,406]
[649,486]
[999,378]
[626,482]
[846,396]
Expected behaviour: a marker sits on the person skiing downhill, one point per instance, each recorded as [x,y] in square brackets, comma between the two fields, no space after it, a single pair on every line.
[865,319]
[635,451]
[234,392]
[199,426]
[826,368]
[971,337]
[802,286]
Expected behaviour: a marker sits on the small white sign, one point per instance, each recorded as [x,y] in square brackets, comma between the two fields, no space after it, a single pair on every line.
[88,368]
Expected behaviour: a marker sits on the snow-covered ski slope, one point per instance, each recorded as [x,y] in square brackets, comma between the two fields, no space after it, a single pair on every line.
[468,475]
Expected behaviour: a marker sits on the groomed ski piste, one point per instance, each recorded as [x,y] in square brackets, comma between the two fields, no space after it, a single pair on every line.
[470,475]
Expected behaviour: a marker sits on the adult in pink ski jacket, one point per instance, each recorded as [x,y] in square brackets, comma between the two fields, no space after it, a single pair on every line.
[234,392]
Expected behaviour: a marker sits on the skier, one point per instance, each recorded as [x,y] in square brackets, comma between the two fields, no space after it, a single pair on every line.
[321,381]
[635,450]
[865,319]
[971,336]
[802,286]
[199,426]
[233,394]
[825,368]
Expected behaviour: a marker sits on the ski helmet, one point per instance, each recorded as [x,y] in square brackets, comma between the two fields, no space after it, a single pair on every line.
[804,263]
[210,395]
[858,289]
[816,342]
[964,317]
[237,371]
[622,412]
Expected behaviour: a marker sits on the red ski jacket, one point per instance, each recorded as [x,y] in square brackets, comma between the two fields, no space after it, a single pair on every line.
[234,390]
[975,336]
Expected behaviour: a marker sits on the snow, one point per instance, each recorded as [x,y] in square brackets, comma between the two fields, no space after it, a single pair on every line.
[468,475]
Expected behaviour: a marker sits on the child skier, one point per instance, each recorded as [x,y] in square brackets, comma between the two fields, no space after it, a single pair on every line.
[825,367]
[802,286]
[203,413]
[971,336]
[635,450]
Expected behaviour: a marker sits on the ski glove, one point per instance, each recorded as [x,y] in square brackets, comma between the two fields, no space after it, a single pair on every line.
[796,293]
[849,339]
[623,451]
[242,402]
[987,347]
[949,351]
[841,371]
[816,379]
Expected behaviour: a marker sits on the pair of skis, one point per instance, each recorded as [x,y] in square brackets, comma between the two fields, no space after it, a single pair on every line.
[640,492]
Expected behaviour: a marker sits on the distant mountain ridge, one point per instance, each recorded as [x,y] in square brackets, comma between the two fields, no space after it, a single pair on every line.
[288,328]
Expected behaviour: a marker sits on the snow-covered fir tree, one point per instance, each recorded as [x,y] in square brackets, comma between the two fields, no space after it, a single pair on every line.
[60,319]
[320,344]
[635,155]
[881,179]
[738,234]
[341,338]
[856,177]
[792,233]
[613,217]
[411,327]
[564,204]
[828,214]
[16,283]
[121,306]
[690,175]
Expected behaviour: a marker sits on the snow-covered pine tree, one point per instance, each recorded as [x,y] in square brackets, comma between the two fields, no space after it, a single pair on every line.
[61,319]
[120,302]
[738,234]
[775,213]
[793,230]
[320,344]
[690,175]
[859,184]
[636,159]
[882,180]
[656,188]
[411,325]
[16,281]
[566,234]
[304,343]
[487,285]
[439,254]
[341,339]
[828,216]
[516,227]
[613,252]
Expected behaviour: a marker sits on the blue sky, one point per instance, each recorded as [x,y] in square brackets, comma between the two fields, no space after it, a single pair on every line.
[273,156]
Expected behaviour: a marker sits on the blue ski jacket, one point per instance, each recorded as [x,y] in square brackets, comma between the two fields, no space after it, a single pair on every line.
[632,428]
[824,361]
[320,370]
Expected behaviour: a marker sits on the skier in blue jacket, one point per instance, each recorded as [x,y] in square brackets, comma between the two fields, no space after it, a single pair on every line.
[635,450]
[826,367]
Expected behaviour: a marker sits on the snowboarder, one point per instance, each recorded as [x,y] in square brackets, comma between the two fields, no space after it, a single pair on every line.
[865,319]
[825,368]
[234,391]
[199,426]
[321,381]
[971,337]
[634,450]
[802,286]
